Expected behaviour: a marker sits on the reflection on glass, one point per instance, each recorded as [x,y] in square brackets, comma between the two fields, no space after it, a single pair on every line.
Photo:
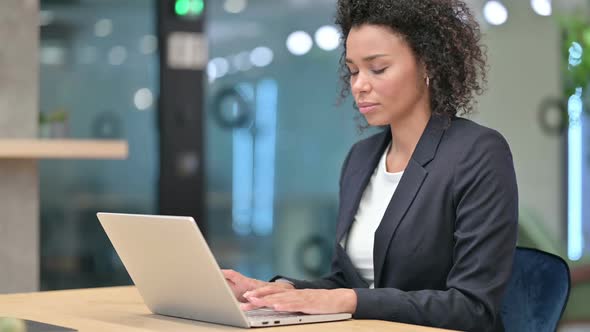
[264,156]
[575,164]
[575,161]
[243,172]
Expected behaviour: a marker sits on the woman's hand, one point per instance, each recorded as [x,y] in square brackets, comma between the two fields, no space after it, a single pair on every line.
[309,301]
[240,284]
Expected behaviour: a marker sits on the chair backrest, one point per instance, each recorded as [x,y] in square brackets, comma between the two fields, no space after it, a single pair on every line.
[537,292]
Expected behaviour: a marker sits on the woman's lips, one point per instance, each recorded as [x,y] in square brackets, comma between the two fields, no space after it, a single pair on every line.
[365,108]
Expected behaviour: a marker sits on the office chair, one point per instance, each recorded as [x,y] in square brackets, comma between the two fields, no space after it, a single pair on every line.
[537,292]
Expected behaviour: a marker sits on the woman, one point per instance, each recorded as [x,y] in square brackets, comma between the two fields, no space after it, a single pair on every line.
[428,212]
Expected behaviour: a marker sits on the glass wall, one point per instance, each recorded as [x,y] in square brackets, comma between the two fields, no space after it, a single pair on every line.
[98,80]
[275,139]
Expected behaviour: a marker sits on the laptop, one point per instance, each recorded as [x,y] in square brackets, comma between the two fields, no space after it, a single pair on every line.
[176,274]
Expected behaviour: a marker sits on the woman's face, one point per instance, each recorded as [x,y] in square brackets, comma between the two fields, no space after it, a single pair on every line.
[385,79]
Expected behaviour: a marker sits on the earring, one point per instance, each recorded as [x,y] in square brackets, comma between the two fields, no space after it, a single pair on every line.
[428,81]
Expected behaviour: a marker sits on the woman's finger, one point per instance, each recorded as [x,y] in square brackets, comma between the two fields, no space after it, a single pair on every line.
[247,306]
[261,302]
[265,291]
[231,275]
[273,300]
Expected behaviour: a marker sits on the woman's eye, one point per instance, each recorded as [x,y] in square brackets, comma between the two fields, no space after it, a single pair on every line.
[379,71]
[352,73]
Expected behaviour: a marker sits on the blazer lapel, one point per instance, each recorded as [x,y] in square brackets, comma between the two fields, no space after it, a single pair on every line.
[408,187]
[356,184]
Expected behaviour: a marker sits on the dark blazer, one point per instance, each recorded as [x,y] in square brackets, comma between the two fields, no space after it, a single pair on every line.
[443,251]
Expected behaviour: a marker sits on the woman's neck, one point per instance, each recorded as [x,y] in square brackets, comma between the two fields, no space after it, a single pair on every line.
[405,134]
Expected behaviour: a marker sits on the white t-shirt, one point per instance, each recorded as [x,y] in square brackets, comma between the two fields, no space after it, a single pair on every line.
[374,202]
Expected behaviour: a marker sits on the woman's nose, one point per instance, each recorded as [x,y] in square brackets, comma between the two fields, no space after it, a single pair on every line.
[360,84]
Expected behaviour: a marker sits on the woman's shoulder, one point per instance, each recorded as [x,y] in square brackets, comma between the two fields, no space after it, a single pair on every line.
[467,132]
[468,126]
[469,143]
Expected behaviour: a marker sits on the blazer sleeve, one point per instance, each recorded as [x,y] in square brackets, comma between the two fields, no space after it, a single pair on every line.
[335,279]
[486,203]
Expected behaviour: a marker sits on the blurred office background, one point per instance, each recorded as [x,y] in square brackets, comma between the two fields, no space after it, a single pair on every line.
[266,138]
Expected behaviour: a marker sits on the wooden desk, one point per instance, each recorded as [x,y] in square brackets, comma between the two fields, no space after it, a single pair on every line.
[122,309]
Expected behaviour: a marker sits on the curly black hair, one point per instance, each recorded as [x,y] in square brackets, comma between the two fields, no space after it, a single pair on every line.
[444,36]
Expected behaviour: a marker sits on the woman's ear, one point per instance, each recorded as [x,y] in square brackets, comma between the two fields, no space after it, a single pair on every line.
[423,70]
[424,73]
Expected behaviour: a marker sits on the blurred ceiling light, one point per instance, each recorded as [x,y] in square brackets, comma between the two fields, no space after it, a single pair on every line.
[299,43]
[327,38]
[495,12]
[103,27]
[211,72]
[542,7]
[46,17]
[261,56]
[52,55]
[235,6]
[148,44]
[117,55]
[217,67]
[143,99]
